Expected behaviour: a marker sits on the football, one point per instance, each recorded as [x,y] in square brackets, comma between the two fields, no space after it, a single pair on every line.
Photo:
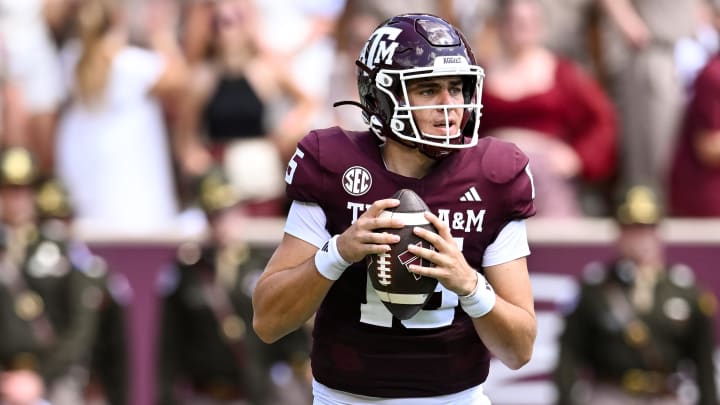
[404,293]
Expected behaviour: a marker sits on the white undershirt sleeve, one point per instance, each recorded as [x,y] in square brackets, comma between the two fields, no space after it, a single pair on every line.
[307,221]
[510,244]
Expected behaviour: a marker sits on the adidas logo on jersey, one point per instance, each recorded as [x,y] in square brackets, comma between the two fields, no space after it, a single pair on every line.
[471,195]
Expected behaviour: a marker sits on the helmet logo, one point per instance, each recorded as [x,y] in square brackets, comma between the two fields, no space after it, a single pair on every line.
[380,47]
[357,180]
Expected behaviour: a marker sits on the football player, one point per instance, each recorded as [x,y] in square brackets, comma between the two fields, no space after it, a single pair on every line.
[420,93]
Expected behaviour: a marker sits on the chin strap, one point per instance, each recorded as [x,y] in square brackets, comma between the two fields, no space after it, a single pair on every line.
[350,102]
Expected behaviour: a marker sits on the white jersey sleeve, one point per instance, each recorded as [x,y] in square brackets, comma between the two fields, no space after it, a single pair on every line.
[307,221]
[510,244]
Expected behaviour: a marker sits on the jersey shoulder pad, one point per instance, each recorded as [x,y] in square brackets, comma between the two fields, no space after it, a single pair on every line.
[320,155]
[502,161]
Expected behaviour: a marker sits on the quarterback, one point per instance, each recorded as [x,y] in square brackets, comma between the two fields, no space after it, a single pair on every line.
[420,89]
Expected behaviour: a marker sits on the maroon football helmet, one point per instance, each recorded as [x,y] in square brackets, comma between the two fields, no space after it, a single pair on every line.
[413,46]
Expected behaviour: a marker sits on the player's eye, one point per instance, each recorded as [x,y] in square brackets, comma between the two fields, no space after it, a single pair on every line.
[455,90]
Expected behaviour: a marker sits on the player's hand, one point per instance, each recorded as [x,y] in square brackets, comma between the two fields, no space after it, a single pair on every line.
[362,238]
[451,269]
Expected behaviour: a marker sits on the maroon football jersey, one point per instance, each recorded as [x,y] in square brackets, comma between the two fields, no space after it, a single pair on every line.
[357,345]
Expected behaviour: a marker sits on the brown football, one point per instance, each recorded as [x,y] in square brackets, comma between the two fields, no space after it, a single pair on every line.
[404,293]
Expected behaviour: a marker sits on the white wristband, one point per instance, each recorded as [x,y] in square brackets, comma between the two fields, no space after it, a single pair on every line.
[479,302]
[328,261]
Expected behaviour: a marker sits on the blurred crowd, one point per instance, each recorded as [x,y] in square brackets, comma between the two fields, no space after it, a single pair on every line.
[131,108]
[128,103]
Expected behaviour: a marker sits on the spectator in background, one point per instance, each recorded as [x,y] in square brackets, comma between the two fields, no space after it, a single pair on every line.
[228,110]
[441,8]
[107,382]
[49,296]
[354,27]
[695,173]
[355,23]
[640,331]
[34,66]
[694,51]
[12,111]
[571,29]
[195,31]
[113,152]
[638,40]
[299,35]
[551,108]
[206,342]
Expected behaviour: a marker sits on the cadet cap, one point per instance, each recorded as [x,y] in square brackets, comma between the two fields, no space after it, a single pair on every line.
[639,206]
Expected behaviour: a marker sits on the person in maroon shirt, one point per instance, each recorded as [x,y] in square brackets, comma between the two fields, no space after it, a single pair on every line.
[551,108]
[419,87]
[695,173]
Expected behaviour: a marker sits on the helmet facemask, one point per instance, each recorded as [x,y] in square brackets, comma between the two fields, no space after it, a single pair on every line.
[402,124]
[411,47]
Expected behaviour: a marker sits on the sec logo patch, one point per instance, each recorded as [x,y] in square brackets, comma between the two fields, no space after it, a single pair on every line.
[357,180]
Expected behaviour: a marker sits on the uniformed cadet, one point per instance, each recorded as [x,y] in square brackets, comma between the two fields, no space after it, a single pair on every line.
[108,379]
[207,343]
[108,382]
[640,330]
[48,300]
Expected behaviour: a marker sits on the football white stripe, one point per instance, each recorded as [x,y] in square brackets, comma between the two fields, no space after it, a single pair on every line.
[408,218]
[404,299]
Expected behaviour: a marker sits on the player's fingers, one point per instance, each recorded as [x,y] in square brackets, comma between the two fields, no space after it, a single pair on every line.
[372,218]
[384,237]
[421,270]
[374,249]
[359,246]
[373,224]
[430,236]
[442,228]
[370,237]
[434,272]
[431,255]
[379,206]
[381,221]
